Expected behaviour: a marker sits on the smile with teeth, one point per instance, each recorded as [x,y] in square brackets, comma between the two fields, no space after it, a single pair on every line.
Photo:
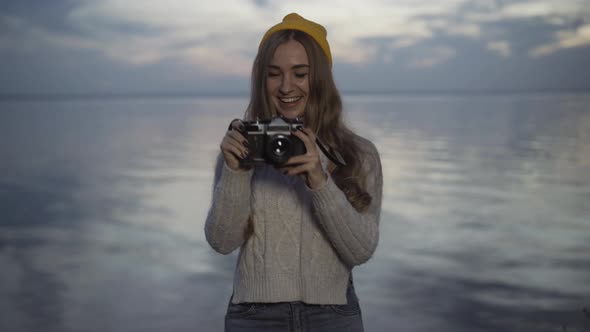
[290,100]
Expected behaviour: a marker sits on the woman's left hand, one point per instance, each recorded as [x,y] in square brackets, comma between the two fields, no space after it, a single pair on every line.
[307,165]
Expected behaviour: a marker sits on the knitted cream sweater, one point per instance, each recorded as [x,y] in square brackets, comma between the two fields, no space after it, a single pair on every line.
[304,242]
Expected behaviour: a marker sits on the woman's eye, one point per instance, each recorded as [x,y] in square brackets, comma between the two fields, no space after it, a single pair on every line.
[273,74]
[300,75]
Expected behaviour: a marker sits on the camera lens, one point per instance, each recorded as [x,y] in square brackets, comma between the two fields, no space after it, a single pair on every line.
[278,148]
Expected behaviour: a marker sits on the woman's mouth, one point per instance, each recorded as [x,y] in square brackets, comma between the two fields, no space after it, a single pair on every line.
[289,100]
[291,107]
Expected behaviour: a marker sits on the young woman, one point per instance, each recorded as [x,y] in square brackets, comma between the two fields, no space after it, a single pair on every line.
[300,227]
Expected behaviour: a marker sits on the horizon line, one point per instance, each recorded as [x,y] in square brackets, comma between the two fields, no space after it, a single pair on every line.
[189,94]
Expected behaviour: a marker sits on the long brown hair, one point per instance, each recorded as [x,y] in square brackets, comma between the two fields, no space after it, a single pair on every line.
[323,112]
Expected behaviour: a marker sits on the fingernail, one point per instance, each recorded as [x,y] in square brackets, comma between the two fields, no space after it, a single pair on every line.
[246,144]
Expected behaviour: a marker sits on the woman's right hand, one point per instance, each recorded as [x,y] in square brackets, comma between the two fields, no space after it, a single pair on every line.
[234,146]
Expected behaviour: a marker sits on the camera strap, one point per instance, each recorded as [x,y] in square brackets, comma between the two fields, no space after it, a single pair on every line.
[334,155]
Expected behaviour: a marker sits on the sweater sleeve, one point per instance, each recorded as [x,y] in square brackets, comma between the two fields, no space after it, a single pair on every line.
[354,235]
[225,227]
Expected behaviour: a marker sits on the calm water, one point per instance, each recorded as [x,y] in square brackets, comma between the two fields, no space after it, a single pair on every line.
[485,224]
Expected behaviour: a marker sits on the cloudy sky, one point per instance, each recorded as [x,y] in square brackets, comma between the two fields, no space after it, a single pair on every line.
[201,47]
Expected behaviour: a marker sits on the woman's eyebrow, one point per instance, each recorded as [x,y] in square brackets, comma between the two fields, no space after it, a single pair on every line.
[300,66]
[293,67]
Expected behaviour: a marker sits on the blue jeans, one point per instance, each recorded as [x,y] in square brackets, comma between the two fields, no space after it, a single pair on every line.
[295,316]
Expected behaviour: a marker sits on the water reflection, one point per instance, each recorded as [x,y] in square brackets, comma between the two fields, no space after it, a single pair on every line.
[494,203]
[484,226]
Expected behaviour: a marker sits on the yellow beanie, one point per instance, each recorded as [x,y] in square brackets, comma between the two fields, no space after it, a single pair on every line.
[294,21]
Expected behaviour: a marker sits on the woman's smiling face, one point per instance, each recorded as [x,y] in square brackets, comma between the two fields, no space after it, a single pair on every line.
[287,82]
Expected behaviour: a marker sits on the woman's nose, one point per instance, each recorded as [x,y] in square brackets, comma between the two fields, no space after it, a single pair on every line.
[285,86]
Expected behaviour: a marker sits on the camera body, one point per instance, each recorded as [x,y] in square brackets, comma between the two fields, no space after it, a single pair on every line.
[272,141]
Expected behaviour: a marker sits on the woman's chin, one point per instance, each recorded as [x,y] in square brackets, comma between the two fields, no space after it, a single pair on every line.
[291,115]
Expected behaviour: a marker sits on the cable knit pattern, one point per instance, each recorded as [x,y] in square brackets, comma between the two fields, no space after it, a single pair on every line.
[304,242]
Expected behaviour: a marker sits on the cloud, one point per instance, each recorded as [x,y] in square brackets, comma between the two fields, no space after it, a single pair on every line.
[404,42]
[149,31]
[500,47]
[196,33]
[232,28]
[452,26]
[353,53]
[467,30]
[387,38]
[437,56]
[545,8]
[485,11]
[564,15]
[24,36]
[139,33]
[565,39]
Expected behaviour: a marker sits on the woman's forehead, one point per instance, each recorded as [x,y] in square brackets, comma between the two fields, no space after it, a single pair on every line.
[291,53]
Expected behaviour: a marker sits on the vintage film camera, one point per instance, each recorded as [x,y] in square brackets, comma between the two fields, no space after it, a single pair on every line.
[271,141]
